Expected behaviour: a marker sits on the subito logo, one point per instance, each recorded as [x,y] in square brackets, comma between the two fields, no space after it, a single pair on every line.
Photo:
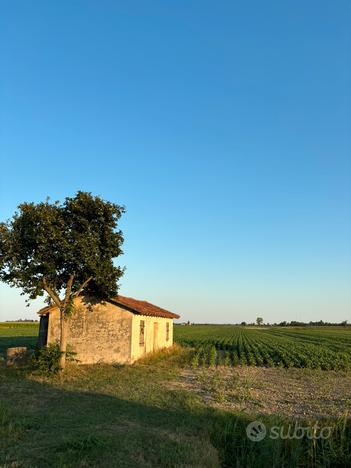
[256,431]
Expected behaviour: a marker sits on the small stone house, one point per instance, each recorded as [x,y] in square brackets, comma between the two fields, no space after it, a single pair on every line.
[119,330]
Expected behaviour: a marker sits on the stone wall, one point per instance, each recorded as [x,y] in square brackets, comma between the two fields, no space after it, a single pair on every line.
[96,332]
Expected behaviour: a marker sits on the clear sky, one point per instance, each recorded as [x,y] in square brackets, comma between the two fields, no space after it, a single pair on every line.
[225,129]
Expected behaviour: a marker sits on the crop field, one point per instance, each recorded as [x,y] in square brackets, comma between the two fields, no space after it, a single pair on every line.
[18,334]
[161,412]
[326,348]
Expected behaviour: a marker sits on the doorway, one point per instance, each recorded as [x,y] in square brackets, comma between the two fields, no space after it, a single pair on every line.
[43,331]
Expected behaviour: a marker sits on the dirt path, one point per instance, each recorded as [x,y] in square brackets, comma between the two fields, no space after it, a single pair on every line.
[292,392]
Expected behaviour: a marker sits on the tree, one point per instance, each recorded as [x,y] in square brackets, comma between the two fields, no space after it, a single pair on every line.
[259,320]
[63,250]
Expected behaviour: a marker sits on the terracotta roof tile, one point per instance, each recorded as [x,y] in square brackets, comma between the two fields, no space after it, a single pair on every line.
[143,307]
[134,305]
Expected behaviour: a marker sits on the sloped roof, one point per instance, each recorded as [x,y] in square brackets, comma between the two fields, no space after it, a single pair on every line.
[142,307]
[133,305]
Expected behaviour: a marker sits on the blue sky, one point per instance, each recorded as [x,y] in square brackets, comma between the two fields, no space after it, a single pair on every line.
[224,127]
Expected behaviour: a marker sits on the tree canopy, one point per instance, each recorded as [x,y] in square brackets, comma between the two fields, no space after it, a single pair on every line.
[53,247]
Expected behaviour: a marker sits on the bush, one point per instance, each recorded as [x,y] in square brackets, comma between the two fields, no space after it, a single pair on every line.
[46,359]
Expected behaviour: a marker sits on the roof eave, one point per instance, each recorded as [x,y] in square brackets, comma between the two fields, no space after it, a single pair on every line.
[134,311]
[170,315]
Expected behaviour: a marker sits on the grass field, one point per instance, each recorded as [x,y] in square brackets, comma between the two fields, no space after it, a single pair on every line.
[317,348]
[18,334]
[162,412]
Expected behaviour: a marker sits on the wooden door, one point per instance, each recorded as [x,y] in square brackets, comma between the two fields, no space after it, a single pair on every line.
[155,336]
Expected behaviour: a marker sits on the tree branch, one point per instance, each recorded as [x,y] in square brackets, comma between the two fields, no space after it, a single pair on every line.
[82,286]
[68,290]
[51,293]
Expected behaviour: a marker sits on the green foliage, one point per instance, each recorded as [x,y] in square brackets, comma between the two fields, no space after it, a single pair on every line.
[212,356]
[140,424]
[326,349]
[195,359]
[46,359]
[69,308]
[226,361]
[228,431]
[53,241]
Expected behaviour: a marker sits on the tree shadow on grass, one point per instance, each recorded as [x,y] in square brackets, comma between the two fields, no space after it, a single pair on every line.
[14,341]
[55,427]
[45,425]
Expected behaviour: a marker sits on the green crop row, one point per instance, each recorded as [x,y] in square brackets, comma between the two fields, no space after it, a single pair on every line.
[266,347]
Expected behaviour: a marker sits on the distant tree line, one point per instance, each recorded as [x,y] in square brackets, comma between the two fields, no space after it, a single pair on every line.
[22,320]
[319,323]
[293,323]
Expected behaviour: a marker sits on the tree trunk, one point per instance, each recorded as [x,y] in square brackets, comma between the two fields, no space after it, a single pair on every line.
[63,339]
[62,305]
